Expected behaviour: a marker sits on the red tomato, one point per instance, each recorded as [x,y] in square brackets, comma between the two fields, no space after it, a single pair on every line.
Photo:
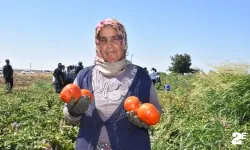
[149,114]
[132,103]
[85,92]
[69,92]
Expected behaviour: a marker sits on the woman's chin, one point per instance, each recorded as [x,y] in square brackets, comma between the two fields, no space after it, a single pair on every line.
[112,60]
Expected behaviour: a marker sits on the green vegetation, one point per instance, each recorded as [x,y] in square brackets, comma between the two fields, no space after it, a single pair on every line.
[33,119]
[201,112]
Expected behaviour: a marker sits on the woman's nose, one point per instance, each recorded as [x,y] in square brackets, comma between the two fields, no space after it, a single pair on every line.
[109,44]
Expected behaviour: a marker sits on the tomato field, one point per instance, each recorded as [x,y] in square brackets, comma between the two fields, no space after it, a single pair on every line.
[200,112]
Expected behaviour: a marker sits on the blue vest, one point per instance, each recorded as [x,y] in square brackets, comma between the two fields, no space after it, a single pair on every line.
[122,134]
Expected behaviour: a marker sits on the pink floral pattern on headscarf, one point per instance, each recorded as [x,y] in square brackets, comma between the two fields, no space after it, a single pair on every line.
[120,31]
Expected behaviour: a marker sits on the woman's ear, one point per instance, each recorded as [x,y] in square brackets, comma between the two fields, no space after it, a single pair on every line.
[97,42]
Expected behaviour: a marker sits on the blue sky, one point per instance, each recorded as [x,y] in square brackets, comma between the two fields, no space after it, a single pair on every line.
[45,32]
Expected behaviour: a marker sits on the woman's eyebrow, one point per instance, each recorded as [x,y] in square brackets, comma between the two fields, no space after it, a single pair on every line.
[101,37]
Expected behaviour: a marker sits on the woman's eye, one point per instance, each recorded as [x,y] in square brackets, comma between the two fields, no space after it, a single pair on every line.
[117,38]
[102,40]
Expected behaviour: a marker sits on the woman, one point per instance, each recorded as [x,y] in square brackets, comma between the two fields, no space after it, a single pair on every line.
[104,123]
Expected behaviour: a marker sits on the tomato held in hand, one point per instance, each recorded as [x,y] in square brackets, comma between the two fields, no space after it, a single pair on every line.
[85,92]
[69,92]
[132,103]
[149,114]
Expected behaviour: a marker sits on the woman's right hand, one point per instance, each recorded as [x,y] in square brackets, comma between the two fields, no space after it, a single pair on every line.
[77,108]
[133,118]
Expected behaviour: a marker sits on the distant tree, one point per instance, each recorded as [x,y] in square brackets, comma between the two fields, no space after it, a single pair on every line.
[180,64]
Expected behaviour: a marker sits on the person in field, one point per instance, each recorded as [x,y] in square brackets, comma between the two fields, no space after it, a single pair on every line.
[64,72]
[104,123]
[158,77]
[58,78]
[8,75]
[69,75]
[79,67]
[152,75]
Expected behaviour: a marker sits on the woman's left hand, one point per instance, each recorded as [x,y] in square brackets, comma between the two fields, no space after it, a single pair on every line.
[133,118]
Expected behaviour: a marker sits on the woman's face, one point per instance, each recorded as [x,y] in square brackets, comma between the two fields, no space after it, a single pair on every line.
[110,44]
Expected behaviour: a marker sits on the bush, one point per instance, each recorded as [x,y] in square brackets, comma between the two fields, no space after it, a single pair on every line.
[205,112]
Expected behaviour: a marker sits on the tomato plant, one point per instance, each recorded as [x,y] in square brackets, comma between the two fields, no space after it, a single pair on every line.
[32,118]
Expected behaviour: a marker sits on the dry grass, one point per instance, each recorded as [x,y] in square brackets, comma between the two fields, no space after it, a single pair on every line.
[23,81]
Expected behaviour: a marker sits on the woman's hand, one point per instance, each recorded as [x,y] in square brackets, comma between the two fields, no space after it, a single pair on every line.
[77,108]
[133,118]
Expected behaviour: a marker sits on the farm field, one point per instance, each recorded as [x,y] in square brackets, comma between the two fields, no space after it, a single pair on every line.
[201,112]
